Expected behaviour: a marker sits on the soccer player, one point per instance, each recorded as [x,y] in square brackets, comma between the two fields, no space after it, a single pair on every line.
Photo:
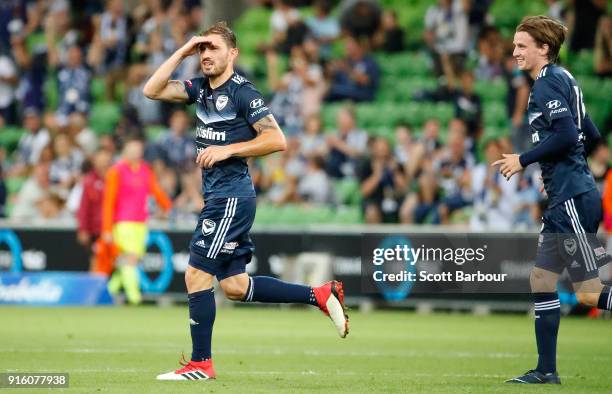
[127,187]
[233,123]
[561,131]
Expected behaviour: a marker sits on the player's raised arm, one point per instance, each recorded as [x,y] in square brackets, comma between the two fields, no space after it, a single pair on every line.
[160,87]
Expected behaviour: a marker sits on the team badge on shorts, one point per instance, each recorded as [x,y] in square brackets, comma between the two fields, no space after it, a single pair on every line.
[570,246]
[208,227]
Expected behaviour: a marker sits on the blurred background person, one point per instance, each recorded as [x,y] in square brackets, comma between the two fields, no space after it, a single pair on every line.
[128,185]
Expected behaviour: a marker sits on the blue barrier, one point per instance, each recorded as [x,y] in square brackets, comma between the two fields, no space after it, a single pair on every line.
[53,288]
[14,245]
[162,282]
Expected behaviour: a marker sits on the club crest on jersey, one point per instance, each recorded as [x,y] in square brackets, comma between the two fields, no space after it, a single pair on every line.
[570,246]
[221,102]
[208,226]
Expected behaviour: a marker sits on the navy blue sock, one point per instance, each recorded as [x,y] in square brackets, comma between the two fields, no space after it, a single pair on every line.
[547,317]
[202,311]
[605,299]
[268,289]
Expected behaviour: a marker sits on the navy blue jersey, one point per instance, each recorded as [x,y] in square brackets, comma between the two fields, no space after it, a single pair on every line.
[225,115]
[555,95]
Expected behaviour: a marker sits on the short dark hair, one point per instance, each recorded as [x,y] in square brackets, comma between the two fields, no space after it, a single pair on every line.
[545,30]
[222,29]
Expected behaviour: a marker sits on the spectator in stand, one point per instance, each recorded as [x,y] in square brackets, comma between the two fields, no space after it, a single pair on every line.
[51,206]
[517,83]
[453,176]
[176,147]
[491,54]
[89,214]
[603,47]
[407,152]
[286,27]
[281,172]
[346,146]
[66,165]
[110,44]
[582,21]
[447,36]
[32,191]
[298,93]
[74,80]
[31,143]
[468,106]
[495,199]
[323,26]
[84,137]
[8,87]
[556,9]
[30,58]
[354,77]
[312,142]
[390,37]
[360,18]
[314,186]
[382,184]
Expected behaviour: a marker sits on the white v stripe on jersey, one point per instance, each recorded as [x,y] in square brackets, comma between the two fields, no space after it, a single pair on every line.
[228,208]
[225,228]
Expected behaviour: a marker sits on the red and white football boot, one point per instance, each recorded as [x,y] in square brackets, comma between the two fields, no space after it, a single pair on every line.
[192,370]
[330,298]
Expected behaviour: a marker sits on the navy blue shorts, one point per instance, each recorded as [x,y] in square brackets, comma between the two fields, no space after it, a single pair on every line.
[221,244]
[568,238]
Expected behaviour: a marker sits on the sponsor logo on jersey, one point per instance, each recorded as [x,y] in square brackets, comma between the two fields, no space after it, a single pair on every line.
[208,227]
[575,264]
[570,246]
[258,111]
[229,247]
[256,103]
[553,104]
[208,133]
[221,102]
[557,111]
[201,243]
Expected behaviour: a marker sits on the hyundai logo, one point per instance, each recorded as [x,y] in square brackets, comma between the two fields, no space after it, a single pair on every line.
[256,103]
[553,104]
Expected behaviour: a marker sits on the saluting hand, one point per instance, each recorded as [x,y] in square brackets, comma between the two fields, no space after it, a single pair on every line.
[213,154]
[509,165]
[191,46]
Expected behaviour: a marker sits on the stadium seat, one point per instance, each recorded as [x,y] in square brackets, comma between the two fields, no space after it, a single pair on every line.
[347,191]
[9,137]
[104,117]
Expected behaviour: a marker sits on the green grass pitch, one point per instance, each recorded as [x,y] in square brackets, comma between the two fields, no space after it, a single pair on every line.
[297,350]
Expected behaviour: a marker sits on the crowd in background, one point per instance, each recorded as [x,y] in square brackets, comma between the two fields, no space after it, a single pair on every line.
[418,177]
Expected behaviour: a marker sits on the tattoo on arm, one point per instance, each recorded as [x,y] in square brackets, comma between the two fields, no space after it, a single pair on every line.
[178,88]
[267,122]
